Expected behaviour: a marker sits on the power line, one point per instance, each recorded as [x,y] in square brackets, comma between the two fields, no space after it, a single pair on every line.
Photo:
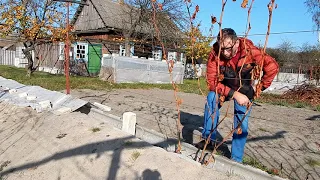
[285,32]
[277,33]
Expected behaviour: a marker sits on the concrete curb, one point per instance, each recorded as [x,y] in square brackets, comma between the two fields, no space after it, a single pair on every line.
[188,152]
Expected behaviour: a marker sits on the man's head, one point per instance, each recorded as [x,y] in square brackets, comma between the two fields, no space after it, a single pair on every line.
[229,43]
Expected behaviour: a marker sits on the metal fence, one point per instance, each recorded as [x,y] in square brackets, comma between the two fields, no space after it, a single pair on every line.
[132,70]
[7,57]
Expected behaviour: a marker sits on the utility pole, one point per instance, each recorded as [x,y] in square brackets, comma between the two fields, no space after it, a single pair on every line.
[67,51]
[67,43]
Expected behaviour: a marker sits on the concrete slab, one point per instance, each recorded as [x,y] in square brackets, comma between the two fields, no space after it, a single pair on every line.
[32,95]
[102,107]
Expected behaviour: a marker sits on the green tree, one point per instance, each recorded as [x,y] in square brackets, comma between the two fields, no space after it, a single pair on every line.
[197,45]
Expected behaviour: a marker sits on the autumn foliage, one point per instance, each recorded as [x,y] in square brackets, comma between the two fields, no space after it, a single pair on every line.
[32,19]
[198,44]
[33,22]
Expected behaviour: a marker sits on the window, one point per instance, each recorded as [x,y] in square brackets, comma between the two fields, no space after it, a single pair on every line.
[122,51]
[61,51]
[157,55]
[81,51]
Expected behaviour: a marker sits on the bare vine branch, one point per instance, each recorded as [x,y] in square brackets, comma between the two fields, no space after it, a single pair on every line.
[271,6]
[170,69]
[217,79]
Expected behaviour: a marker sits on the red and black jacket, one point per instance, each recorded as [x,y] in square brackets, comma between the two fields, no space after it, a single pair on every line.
[248,54]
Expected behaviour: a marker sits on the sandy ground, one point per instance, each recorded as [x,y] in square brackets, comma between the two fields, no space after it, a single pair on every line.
[45,146]
[287,139]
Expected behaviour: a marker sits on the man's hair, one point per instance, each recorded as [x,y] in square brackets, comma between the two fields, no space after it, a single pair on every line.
[227,33]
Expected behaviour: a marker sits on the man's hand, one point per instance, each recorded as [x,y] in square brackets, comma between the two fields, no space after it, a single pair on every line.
[242,99]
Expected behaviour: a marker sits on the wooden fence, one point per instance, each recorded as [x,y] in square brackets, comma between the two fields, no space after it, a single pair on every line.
[7,57]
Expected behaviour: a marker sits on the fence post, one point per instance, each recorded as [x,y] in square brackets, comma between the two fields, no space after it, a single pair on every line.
[148,71]
[13,57]
[115,68]
[299,73]
[311,73]
[5,57]
[1,56]
[129,122]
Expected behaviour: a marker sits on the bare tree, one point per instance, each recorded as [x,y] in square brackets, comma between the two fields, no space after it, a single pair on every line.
[314,9]
[286,53]
[310,54]
[138,15]
[275,53]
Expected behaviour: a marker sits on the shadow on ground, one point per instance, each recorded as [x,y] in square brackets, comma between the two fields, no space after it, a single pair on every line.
[312,118]
[97,148]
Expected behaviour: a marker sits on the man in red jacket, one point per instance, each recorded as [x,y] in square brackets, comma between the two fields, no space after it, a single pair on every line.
[235,52]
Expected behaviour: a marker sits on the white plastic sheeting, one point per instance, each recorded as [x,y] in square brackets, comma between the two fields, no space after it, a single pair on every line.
[130,70]
[280,87]
[37,97]
[291,77]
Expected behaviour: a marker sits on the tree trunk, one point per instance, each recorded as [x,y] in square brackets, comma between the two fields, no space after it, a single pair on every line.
[28,55]
[127,46]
